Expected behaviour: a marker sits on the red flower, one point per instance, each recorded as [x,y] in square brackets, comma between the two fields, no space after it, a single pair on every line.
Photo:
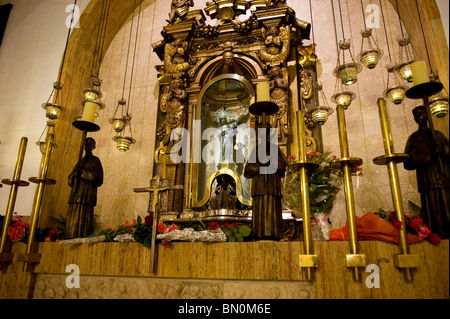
[148,221]
[314,154]
[434,239]
[162,227]
[17,230]
[233,224]
[395,222]
[214,226]
[416,223]
[166,243]
[291,158]
[172,228]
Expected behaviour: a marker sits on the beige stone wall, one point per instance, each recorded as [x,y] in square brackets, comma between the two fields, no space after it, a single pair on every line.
[125,171]
[100,287]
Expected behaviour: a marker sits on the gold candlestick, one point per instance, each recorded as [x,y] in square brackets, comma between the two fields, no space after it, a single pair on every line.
[404,260]
[308,260]
[15,183]
[346,163]
[41,181]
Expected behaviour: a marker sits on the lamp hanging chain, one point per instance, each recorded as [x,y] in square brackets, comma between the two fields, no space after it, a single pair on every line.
[64,55]
[134,54]
[424,38]
[335,35]
[97,40]
[364,15]
[342,22]
[312,24]
[104,34]
[399,18]
[132,64]
[126,63]
[387,40]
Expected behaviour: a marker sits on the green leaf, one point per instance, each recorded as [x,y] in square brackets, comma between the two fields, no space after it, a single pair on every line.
[233,229]
[245,231]
[139,220]
[239,237]
[148,241]
[231,239]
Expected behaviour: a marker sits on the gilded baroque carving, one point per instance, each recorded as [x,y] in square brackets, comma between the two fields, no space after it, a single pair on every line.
[279,86]
[277,45]
[173,103]
[176,60]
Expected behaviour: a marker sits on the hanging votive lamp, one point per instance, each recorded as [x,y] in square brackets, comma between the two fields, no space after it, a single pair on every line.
[123,142]
[343,99]
[439,106]
[370,57]
[320,114]
[404,68]
[52,111]
[396,94]
[348,73]
[119,123]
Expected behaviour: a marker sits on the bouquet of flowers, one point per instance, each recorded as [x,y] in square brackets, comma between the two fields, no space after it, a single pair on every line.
[414,225]
[324,184]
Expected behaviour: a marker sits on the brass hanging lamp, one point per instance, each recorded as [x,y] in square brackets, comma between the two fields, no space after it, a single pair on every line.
[122,123]
[406,53]
[370,56]
[394,92]
[346,71]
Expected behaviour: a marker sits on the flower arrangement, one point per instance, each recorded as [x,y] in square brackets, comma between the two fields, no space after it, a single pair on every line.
[141,231]
[324,184]
[18,231]
[414,224]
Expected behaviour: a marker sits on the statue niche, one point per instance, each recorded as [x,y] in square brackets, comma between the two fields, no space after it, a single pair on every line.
[225,125]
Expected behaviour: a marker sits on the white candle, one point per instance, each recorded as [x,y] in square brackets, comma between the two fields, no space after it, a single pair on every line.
[262,92]
[89,111]
[419,72]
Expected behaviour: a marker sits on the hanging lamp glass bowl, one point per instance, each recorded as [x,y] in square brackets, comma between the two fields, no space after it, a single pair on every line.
[404,69]
[439,106]
[320,114]
[370,58]
[123,142]
[348,72]
[343,99]
[52,111]
[395,94]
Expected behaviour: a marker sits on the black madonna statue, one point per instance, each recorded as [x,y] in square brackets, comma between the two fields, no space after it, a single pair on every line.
[85,178]
[430,158]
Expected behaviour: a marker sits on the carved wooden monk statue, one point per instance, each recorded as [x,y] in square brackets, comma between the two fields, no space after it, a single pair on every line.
[85,178]
[432,178]
[267,219]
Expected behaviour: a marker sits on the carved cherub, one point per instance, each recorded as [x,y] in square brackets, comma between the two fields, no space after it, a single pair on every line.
[179,9]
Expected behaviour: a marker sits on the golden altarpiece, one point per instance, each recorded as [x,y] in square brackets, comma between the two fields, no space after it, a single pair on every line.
[207,81]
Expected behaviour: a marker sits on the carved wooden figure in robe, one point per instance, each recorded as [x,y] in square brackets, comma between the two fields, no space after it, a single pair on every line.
[267,219]
[430,159]
[85,178]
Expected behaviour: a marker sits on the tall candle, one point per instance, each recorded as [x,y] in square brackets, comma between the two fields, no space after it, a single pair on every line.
[419,72]
[89,111]
[262,92]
